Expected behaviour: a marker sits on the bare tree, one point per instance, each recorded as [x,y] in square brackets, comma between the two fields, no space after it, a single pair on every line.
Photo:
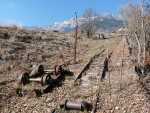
[131,15]
[89,27]
[138,24]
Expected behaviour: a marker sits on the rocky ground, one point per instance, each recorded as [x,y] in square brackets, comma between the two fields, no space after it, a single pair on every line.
[121,92]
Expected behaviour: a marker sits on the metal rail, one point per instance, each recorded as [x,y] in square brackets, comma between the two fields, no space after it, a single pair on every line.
[86,67]
[98,95]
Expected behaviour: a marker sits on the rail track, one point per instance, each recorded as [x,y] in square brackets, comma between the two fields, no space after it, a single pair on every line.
[88,83]
[91,74]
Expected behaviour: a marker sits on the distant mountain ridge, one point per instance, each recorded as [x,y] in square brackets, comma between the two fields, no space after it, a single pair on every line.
[106,23]
[103,23]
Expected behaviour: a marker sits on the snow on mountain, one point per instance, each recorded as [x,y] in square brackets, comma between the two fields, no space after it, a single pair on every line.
[69,25]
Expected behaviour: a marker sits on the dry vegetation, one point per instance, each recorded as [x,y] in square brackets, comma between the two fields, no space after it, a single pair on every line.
[121,91]
[24,48]
[19,53]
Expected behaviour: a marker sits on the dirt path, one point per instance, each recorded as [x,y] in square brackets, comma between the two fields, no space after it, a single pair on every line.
[123,93]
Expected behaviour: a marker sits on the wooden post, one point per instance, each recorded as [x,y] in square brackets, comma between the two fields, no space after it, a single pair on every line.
[76,38]
[122,61]
[109,75]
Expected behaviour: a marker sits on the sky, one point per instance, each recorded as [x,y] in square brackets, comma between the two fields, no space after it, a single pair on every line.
[47,12]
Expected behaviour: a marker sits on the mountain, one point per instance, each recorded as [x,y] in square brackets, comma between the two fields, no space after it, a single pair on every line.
[108,23]
[103,23]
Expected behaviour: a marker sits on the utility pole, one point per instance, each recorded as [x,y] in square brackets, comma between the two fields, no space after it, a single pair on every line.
[76,38]
[143,29]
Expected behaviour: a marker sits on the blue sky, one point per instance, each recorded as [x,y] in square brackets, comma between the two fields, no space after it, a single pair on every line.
[46,12]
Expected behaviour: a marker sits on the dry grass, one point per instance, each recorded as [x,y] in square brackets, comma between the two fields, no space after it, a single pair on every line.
[130,99]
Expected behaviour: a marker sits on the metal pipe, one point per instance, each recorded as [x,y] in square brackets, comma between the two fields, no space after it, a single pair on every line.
[73,105]
[35,79]
[68,105]
[49,70]
[44,80]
